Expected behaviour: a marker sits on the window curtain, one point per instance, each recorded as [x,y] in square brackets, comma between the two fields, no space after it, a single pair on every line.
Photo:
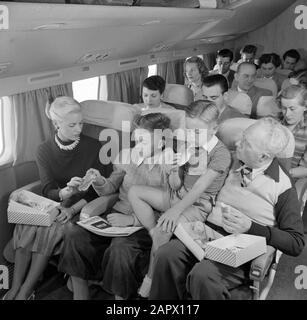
[126,86]
[210,60]
[172,71]
[31,126]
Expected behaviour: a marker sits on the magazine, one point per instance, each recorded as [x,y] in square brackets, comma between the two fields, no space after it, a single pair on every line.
[102,227]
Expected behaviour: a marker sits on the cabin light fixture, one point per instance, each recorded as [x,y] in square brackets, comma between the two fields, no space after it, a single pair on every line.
[94,57]
[205,40]
[233,4]
[151,22]
[4,66]
[50,26]
[161,46]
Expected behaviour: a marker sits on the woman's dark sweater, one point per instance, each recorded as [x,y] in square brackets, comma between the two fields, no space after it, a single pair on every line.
[57,167]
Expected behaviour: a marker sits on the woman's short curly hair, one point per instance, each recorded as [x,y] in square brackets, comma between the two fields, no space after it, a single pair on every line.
[203,70]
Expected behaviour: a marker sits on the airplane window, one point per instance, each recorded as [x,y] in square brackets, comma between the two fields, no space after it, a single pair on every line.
[152,70]
[5,131]
[86,89]
[1,129]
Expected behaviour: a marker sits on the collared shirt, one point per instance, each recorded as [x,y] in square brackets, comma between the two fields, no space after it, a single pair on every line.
[215,156]
[247,178]
[300,135]
[241,90]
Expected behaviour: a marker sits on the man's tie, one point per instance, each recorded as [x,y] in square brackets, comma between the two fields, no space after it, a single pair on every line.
[245,173]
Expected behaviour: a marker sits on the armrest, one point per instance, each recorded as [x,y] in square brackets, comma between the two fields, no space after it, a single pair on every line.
[261,264]
[98,206]
[34,187]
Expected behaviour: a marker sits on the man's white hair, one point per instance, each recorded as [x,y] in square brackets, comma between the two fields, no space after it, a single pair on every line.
[274,137]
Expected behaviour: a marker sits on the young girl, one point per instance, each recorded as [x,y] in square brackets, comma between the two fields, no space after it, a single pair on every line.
[122,264]
[204,175]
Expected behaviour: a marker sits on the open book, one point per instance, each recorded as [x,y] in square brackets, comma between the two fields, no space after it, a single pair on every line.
[102,227]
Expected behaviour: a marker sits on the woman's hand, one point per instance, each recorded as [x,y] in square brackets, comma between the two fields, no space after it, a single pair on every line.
[74,182]
[65,214]
[99,179]
[120,220]
[70,189]
[168,221]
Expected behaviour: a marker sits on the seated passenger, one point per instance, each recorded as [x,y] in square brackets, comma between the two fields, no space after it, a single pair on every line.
[268,64]
[298,77]
[152,93]
[215,89]
[87,256]
[206,167]
[290,59]
[244,82]
[293,103]
[224,59]
[194,71]
[62,162]
[262,202]
[248,54]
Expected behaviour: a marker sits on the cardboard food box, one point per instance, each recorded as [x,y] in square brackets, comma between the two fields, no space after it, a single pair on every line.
[233,250]
[29,208]
[236,249]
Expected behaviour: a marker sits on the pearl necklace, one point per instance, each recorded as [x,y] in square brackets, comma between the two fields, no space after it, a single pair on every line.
[69,146]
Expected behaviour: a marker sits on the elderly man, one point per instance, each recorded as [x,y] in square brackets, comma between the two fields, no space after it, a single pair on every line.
[262,202]
[224,59]
[244,82]
[215,89]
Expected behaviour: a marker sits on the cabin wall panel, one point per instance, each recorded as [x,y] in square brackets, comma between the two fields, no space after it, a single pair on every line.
[277,36]
[11,179]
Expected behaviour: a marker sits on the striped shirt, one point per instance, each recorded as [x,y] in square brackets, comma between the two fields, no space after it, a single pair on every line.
[300,135]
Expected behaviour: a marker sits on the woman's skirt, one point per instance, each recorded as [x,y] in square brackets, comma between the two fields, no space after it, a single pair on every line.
[47,241]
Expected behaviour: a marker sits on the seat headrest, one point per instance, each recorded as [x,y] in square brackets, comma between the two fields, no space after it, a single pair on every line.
[109,114]
[239,101]
[178,94]
[269,84]
[230,131]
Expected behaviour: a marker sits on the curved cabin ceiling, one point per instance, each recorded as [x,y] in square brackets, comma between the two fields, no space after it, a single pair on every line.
[46,37]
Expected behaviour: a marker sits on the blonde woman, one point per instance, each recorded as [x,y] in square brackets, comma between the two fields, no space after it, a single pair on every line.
[62,162]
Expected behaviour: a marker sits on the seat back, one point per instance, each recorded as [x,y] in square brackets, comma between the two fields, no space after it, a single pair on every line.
[269,84]
[230,131]
[111,123]
[178,95]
